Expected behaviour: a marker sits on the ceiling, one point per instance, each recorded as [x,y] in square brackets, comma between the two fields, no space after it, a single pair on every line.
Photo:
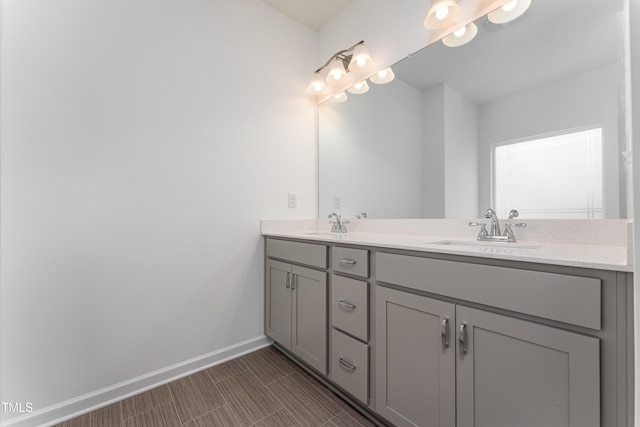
[312,13]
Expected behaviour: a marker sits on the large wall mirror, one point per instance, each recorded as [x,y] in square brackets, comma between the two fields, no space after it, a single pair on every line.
[424,145]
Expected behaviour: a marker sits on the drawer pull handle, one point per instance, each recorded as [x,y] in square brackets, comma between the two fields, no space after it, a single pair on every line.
[287,281]
[346,364]
[462,338]
[294,280]
[444,332]
[347,262]
[346,305]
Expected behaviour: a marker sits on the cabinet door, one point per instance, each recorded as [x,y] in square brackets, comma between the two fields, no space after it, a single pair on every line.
[415,362]
[309,321]
[517,373]
[278,302]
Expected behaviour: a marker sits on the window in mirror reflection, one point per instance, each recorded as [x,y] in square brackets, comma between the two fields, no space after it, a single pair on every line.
[558,176]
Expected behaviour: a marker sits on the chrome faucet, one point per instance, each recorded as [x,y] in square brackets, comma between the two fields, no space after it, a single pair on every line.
[338,226]
[494,228]
[494,234]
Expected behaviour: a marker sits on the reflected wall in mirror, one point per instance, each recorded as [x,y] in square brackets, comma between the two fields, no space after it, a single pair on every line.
[421,146]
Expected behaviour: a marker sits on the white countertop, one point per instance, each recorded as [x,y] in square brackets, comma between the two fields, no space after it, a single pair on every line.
[602,257]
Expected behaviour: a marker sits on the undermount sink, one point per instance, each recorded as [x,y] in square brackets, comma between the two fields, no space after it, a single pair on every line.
[485,244]
[319,233]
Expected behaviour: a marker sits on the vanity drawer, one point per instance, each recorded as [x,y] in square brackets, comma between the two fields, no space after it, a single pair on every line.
[350,261]
[298,252]
[350,306]
[563,298]
[350,365]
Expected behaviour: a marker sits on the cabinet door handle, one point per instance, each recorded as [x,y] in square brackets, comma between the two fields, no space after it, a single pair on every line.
[444,332]
[346,305]
[347,262]
[462,338]
[346,364]
[294,279]
[287,281]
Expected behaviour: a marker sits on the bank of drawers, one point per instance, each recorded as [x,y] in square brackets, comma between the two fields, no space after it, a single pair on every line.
[350,321]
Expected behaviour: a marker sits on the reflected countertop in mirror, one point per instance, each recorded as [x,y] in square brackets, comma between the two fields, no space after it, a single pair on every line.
[421,146]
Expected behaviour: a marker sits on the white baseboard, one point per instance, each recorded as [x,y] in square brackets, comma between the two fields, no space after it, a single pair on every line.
[89,402]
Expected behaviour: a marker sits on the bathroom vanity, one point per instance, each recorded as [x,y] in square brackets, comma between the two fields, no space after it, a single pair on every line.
[449,333]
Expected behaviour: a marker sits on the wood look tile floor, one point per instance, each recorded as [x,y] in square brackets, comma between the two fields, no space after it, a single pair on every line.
[262,389]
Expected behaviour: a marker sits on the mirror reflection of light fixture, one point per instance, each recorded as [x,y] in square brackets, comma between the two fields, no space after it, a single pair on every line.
[461,36]
[341,65]
[509,11]
[359,88]
[383,77]
[441,14]
[339,98]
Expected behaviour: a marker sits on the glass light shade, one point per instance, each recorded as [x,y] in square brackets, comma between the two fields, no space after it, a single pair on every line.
[339,98]
[359,88]
[442,14]
[317,86]
[461,36]
[361,60]
[337,73]
[509,11]
[383,77]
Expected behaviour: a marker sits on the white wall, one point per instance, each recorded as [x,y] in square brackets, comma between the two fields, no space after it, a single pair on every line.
[585,99]
[450,157]
[373,143]
[433,134]
[142,142]
[461,156]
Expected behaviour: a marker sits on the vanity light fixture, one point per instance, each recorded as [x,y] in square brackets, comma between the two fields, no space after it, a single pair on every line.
[442,14]
[361,61]
[359,88]
[341,65]
[317,85]
[339,98]
[336,72]
[509,11]
[383,77]
[461,36]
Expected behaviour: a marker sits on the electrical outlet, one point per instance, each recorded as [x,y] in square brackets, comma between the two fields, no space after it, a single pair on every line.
[293,200]
[337,202]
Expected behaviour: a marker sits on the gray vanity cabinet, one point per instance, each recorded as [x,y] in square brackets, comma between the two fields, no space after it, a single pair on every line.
[296,302]
[415,366]
[512,372]
[441,364]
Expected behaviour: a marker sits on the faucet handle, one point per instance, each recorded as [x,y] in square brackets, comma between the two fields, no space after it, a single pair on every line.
[513,214]
[483,228]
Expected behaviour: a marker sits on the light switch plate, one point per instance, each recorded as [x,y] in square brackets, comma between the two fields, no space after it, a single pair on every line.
[337,202]
[293,200]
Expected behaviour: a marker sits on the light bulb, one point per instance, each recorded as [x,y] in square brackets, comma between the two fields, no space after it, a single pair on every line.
[358,85]
[361,62]
[317,87]
[382,74]
[460,31]
[443,12]
[510,6]
[336,75]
